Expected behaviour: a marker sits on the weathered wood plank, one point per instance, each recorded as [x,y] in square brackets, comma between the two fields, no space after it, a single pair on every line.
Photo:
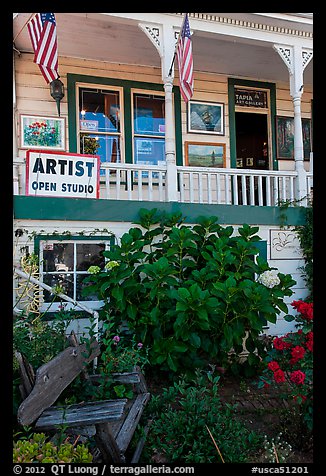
[107,444]
[52,378]
[128,428]
[26,373]
[81,414]
[140,444]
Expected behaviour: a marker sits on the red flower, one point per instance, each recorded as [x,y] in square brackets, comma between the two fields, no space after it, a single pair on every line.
[310,341]
[297,377]
[279,376]
[273,366]
[279,344]
[304,308]
[297,353]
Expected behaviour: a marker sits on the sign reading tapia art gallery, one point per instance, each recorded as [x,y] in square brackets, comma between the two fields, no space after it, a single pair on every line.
[250,98]
[62,174]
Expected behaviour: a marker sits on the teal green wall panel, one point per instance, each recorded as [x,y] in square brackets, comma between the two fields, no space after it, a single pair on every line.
[79,209]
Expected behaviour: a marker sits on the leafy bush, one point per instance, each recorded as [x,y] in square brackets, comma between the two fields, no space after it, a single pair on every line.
[38,449]
[189,293]
[181,417]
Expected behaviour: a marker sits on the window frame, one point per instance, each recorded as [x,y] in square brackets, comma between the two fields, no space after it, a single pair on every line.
[127,86]
[48,307]
[100,88]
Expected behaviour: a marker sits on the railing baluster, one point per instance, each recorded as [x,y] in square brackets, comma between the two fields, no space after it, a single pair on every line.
[140,185]
[160,186]
[260,190]
[227,190]
[235,189]
[268,191]
[209,188]
[252,189]
[150,185]
[200,187]
[117,185]
[182,189]
[243,190]
[129,185]
[218,188]
[275,190]
[191,187]
[107,183]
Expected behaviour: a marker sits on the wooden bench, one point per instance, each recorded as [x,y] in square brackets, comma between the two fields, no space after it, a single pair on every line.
[111,422]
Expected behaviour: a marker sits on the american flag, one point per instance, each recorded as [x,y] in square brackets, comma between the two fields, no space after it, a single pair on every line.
[43,33]
[185,61]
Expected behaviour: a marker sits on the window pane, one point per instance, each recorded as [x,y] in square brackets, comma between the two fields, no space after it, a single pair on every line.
[80,286]
[58,257]
[89,254]
[149,151]
[99,111]
[107,147]
[65,281]
[149,114]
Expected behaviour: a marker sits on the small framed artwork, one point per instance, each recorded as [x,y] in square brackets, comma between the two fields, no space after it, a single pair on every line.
[285,137]
[249,161]
[42,132]
[201,154]
[239,163]
[206,117]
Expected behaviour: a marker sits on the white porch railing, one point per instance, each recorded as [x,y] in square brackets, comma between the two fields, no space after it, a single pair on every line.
[195,184]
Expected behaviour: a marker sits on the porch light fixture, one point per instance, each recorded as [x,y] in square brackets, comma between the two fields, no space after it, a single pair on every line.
[57,92]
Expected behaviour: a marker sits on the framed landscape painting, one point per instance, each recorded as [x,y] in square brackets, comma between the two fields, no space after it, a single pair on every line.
[41,132]
[285,137]
[201,154]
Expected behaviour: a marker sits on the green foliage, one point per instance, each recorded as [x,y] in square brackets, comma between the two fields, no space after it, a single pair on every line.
[189,293]
[39,341]
[38,449]
[305,233]
[180,417]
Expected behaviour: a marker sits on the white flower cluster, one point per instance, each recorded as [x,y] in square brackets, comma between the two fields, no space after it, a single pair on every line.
[269,279]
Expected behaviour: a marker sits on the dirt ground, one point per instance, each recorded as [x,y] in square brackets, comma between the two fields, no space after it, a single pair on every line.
[260,410]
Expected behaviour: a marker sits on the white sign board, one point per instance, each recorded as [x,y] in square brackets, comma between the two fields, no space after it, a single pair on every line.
[285,244]
[62,174]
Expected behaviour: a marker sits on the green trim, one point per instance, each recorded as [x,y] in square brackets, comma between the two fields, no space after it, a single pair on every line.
[80,209]
[127,85]
[253,84]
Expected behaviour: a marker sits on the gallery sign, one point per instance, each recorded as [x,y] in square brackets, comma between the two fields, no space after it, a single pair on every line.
[62,174]
[250,98]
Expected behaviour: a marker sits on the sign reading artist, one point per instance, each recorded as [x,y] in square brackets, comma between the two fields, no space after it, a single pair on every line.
[250,98]
[62,174]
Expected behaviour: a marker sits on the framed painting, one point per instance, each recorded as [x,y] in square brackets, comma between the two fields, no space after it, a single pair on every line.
[206,117]
[201,154]
[42,132]
[285,137]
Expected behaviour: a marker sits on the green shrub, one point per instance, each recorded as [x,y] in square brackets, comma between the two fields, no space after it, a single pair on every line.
[190,294]
[38,449]
[180,418]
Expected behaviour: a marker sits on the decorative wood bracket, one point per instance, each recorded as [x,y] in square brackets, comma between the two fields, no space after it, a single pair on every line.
[154,33]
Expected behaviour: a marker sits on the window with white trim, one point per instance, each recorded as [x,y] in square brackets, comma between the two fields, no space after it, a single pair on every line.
[100,128]
[148,128]
[64,264]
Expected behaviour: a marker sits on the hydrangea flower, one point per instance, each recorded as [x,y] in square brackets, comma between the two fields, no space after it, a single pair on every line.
[94,269]
[111,264]
[269,279]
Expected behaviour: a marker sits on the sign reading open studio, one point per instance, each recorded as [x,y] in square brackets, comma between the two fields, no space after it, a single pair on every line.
[60,174]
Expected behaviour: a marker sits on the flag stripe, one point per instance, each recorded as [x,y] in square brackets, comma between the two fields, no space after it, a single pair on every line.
[185,61]
[42,31]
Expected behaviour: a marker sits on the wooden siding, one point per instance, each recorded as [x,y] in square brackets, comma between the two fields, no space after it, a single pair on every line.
[33,96]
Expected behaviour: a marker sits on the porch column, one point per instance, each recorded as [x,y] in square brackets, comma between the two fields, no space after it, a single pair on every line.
[163,38]
[296,59]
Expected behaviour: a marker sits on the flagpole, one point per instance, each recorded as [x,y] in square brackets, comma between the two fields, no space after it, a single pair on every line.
[23,27]
[176,46]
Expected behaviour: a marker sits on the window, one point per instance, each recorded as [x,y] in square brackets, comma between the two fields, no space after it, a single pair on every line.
[148,128]
[65,263]
[99,124]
